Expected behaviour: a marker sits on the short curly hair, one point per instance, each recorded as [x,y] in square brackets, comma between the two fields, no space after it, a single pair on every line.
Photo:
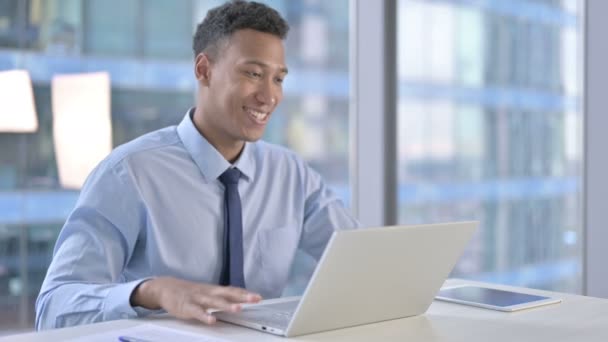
[224,20]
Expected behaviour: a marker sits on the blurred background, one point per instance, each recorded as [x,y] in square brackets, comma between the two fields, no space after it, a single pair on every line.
[489,121]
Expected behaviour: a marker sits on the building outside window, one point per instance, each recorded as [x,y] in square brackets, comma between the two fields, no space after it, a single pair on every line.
[490,129]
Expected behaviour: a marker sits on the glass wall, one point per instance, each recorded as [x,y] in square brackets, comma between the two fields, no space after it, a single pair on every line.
[490,129]
[145,46]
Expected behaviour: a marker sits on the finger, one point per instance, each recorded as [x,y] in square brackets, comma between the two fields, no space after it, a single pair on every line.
[197,312]
[238,295]
[219,303]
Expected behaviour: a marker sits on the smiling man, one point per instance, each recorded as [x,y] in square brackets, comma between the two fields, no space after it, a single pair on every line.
[200,215]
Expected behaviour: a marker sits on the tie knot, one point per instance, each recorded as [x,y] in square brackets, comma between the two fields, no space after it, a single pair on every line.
[230,176]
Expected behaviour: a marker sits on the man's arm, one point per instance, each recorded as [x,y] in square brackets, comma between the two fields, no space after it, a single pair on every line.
[323,214]
[83,284]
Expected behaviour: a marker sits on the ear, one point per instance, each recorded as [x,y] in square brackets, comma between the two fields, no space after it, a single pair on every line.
[202,68]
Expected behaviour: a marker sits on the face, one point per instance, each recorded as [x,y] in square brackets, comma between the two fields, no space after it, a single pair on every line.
[239,91]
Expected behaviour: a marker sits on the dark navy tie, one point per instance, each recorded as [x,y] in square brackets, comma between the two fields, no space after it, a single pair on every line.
[232,269]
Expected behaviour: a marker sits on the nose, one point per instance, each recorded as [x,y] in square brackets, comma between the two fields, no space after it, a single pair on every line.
[267,94]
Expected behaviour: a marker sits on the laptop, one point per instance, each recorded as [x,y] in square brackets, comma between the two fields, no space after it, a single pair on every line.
[365,276]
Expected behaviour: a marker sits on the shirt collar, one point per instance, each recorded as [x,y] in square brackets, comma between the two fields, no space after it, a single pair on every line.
[209,160]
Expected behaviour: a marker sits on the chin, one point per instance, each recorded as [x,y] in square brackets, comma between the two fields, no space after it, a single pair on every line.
[253,137]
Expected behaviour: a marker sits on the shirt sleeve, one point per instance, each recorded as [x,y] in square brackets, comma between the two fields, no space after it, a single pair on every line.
[323,214]
[84,282]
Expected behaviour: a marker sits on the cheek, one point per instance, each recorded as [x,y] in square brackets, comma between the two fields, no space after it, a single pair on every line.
[278,92]
[279,95]
[231,97]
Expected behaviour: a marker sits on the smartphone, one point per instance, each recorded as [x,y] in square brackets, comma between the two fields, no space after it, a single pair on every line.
[494,299]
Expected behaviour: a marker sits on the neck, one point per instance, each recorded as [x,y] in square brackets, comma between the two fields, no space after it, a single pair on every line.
[229,148]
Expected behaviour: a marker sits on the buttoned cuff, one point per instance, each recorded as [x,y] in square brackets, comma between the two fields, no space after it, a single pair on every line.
[117,304]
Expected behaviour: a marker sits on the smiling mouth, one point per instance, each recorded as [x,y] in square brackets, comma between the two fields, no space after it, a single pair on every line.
[257,116]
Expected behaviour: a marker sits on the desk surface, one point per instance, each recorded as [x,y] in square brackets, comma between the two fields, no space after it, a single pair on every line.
[577,318]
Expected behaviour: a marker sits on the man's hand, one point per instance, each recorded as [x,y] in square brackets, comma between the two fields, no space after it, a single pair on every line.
[187,300]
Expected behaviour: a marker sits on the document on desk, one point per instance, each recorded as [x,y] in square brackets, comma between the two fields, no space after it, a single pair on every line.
[147,333]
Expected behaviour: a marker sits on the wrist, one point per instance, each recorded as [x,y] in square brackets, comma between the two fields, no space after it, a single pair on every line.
[144,295]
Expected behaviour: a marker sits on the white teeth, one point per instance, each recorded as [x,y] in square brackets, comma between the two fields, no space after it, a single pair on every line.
[258,115]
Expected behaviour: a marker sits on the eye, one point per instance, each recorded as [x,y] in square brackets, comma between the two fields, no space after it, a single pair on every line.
[279,80]
[253,74]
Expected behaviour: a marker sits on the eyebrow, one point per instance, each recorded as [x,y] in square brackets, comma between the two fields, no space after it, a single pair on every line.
[264,65]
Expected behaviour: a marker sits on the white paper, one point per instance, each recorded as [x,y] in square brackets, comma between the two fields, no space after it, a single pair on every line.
[149,333]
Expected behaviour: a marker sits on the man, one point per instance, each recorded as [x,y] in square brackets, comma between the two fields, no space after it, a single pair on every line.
[201,215]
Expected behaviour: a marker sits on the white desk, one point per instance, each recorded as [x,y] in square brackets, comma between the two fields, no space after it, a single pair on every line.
[577,318]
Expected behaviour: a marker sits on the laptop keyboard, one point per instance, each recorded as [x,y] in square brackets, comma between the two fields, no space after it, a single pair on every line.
[274,315]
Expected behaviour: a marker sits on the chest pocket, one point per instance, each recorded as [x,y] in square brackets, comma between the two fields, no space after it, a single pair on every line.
[277,248]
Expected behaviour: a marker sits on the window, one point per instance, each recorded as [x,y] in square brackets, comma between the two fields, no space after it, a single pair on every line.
[489,129]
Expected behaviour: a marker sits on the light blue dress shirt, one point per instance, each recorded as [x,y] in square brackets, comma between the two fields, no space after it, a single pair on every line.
[154,207]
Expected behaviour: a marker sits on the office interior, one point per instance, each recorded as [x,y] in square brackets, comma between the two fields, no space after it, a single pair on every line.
[422,111]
